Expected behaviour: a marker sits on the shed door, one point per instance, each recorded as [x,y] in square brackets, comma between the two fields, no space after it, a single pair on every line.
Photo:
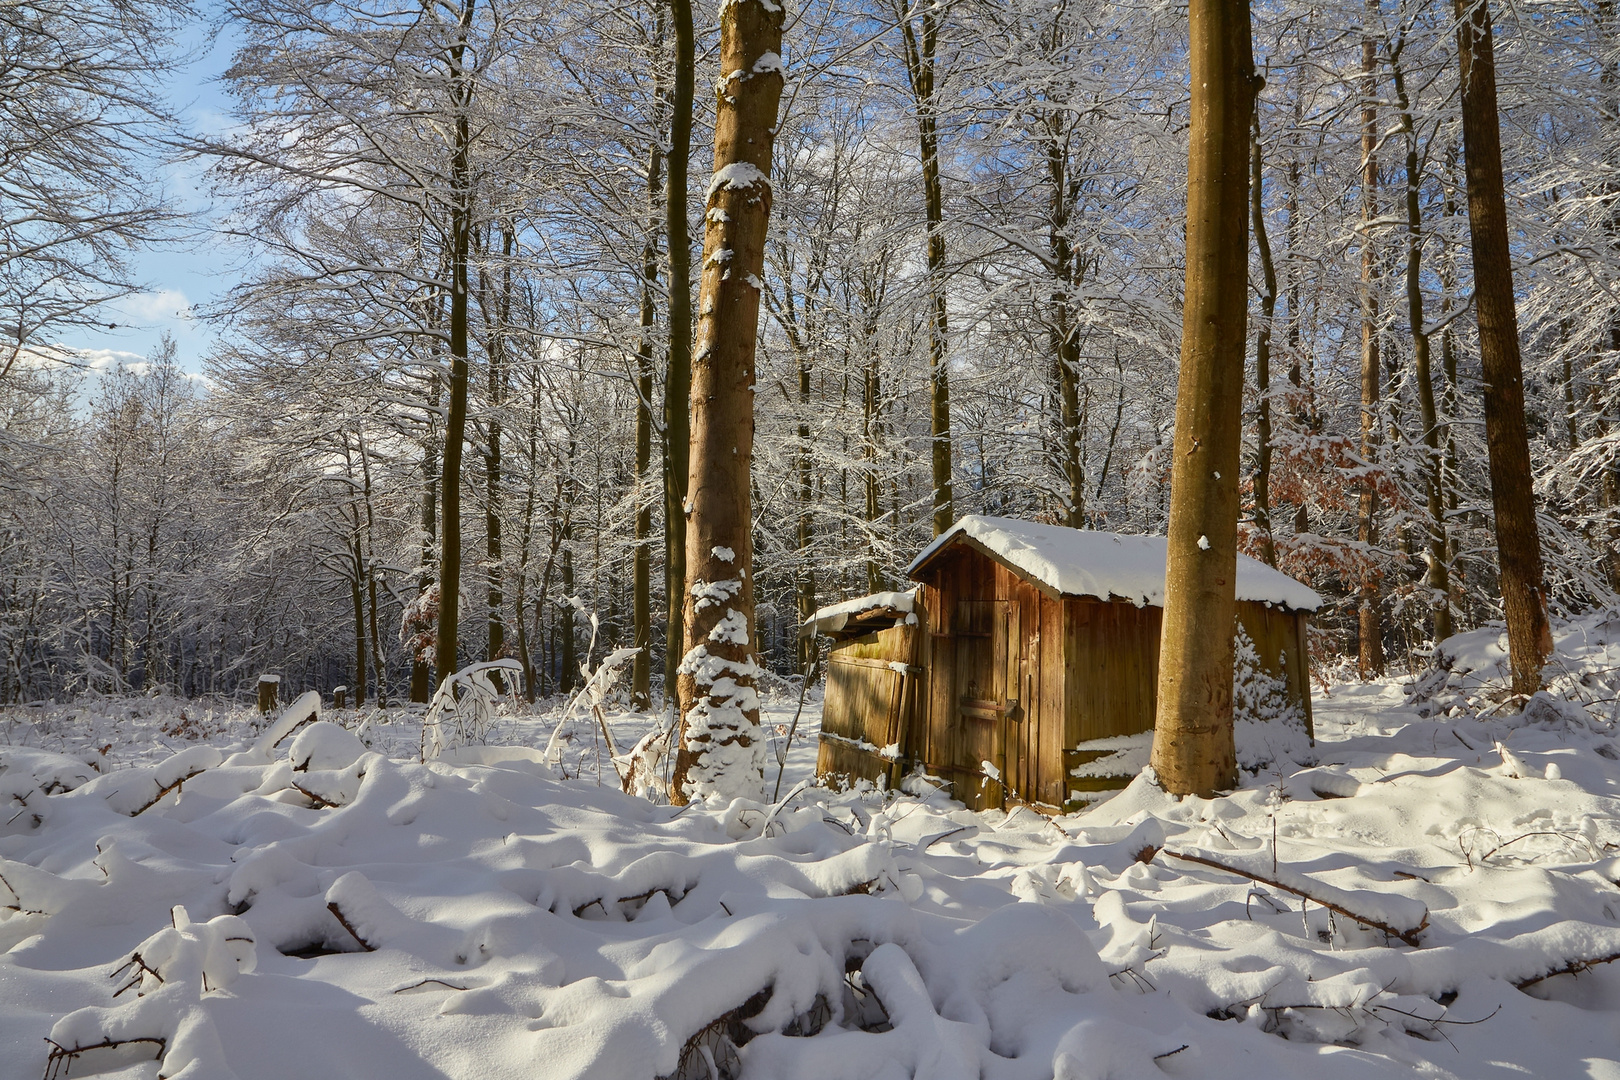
[988,683]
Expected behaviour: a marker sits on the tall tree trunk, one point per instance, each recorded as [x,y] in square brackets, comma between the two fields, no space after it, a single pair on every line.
[921,43]
[722,750]
[1518,543]
[1262,348]
[1371,654]
[568,676]
[495,626]
[678,372]
[1437,556]
[806,590]
[455,426]
[641,566]
[1193,750]
[356,595]
[871,417]
[421,674]
[1065,334]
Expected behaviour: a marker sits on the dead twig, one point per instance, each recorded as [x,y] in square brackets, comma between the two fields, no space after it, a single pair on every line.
[1410,936]
[425,982]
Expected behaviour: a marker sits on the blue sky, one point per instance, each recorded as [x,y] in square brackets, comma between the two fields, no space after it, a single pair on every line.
[183,277]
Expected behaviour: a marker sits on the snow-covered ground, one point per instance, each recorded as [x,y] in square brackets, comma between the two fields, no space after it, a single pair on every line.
[1399,900]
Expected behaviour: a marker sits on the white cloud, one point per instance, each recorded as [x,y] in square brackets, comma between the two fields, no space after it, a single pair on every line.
[165,307]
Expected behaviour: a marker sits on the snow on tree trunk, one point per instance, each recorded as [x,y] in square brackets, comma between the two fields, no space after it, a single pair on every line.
[722,747]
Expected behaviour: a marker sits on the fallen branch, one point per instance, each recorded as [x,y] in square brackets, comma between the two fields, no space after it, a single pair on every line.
[1574,967]
[62,1058]
[1410,936]
[337,913]
[425,982]
[176,786]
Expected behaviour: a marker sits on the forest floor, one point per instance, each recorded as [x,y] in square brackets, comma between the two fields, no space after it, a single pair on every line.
[1430,890]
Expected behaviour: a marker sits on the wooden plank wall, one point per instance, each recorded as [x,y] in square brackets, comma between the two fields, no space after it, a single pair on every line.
[1112,648]
[867,702]
[1279,638]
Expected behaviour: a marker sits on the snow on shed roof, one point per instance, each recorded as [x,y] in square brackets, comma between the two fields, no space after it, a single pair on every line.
[1079,562]
[834,617]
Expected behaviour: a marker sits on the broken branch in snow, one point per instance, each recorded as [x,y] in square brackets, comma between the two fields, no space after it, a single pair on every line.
[62,1057]
[426,982]
[176,786]
[1409,935]
[337,913]
[1574,967]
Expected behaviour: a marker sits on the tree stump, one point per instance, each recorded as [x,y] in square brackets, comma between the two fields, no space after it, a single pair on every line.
[267,693]
[340,697]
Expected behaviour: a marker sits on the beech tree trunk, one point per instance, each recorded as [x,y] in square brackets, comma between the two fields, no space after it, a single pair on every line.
[722,749]
[678,372]
[1438,554]
[421,674]
[455,426]
[1371,653]
[921,43]
[1262,349]
[641,567]
[1518,543]
[1193,750]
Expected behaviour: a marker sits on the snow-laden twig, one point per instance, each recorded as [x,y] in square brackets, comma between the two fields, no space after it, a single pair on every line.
[463,710]
[1315,896]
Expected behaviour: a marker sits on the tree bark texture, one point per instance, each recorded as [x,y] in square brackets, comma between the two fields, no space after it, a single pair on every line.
[678,372]
[1438,555]
[722,749]
[641,569]
[1518,543]
[455,426]
[922,41]
[1370,618]
[1193,750]
[1262,349]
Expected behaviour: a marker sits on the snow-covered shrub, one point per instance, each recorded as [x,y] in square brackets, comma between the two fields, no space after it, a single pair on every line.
[170,972]
[1267,724]
[463,710]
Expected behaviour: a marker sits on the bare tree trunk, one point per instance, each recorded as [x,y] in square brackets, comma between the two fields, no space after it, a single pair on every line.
[355,595]
[1437,557]
[1371,655]
[1262,348]
[806,589]
[421,674]
[1193,750]
[1518,543]
[568,676]
[921,43]
[495,626]
[1065,335]
[641,566]
[455,426]
[678,373]
[722,750]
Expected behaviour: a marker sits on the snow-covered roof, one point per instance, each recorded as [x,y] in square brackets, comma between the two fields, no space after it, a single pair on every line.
[834,617]
[1079,562]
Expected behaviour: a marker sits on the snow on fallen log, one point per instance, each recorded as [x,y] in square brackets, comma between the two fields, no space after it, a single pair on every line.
[305,709]
[1398,916]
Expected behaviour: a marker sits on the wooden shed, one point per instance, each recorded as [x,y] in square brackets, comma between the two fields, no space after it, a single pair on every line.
[1028,652]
